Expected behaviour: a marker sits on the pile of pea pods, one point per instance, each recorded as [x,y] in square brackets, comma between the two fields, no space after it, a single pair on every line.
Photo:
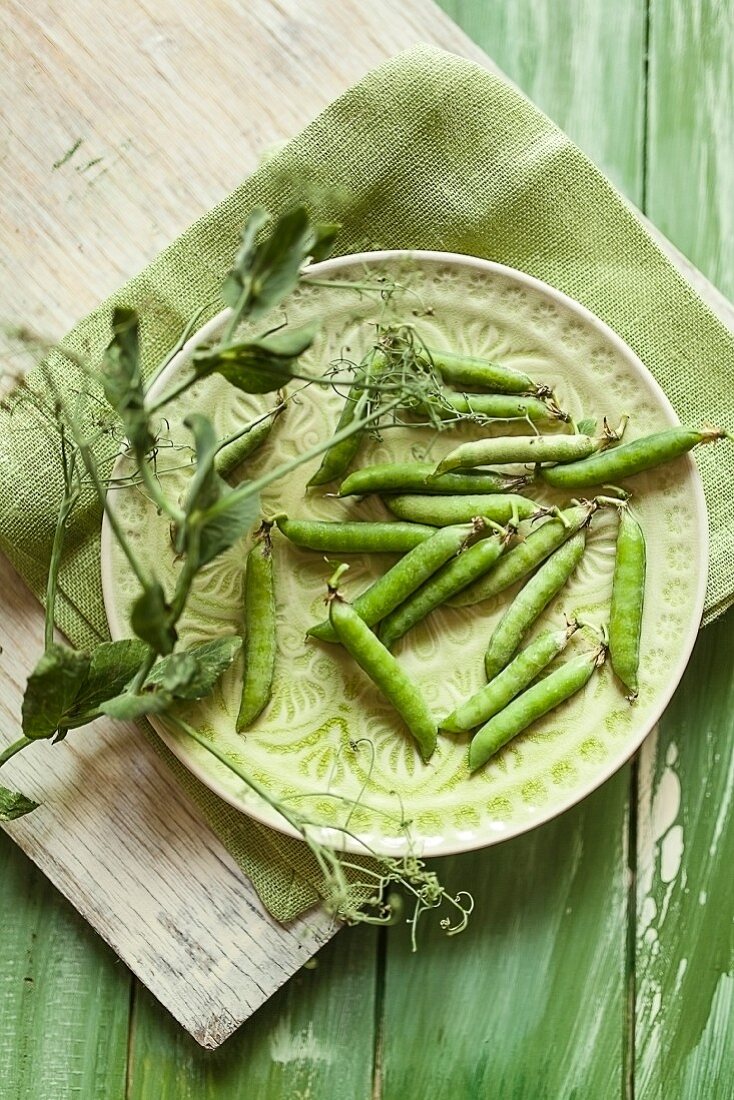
[456,528]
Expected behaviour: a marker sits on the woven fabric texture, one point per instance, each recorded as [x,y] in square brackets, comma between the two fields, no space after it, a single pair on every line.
[428,151]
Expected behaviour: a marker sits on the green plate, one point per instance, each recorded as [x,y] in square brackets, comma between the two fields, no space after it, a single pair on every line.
[328,738]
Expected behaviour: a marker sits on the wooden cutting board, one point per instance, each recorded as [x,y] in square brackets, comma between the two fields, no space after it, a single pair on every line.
[122,132]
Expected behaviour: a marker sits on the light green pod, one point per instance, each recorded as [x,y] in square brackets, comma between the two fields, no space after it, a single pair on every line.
[259,642]
[530,602]
[234,454]
[497,406]
[474,373]
[409,573]
[385,672]
[523,558]
[437,589]
[354,538]
[531,705]
[443,511]
[493,697]
[407,477]
[628,600]
[499,450]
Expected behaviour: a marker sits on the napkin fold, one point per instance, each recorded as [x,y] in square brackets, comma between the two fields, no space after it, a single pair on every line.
[427,151]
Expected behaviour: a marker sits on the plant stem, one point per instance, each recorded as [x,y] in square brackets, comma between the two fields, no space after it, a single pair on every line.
[68,500]
[11,750]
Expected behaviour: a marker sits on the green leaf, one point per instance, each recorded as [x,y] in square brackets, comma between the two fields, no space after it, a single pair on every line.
[112,667]
[206,485]
[234,514]
[122,380]
[325,234]
[261,365]
[150,619]
[238,279]
[588,426]
[193,672]
[13,805]
[52,689]
[128,707]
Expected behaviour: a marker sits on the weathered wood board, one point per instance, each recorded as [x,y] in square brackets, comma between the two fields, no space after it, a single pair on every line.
[150,96]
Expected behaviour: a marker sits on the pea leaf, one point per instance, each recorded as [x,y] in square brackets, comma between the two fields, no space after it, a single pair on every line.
[150,618]
[234,514]
[128,707]
[122,380]
[13,805]
[588,426]
[206,485]
[238,280]
[112,667]
[257,366]
[193,672]
[52,689]
[264,274]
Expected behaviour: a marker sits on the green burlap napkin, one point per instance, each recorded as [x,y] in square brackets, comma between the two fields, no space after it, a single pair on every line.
[428,151]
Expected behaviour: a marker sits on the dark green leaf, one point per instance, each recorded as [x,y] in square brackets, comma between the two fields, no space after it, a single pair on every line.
[238,279]
[206,485]
[325,234]
[112,667]
[278,261]
[234,514]
[13,805]
[129,707]
[122,381]
[52,688]
[192,673]
[150,619]
[261,365]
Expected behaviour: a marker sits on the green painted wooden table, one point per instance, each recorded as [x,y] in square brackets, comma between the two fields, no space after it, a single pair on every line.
[600,959]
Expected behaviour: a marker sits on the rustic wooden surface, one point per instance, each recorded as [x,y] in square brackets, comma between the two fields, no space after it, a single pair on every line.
[601,961]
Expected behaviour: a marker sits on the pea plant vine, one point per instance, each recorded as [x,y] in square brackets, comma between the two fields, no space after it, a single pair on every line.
[149,673]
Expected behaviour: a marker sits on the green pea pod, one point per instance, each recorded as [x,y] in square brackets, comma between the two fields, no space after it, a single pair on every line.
[443,511]
[472,372]
[497,406]
[628,459]
[339,457]
[437,589]
[493,697]
[531,705]
[354,538]
[408,574]
[502,449]
[527,555]
[402,477]
[234,454]
[531,601]
[385,672]
[628,598]
[259,642]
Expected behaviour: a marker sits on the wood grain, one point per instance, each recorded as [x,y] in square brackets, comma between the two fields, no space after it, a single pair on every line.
[149,93]
[685,887]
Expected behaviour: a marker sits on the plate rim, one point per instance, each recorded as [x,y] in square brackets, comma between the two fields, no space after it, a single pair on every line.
[329,835]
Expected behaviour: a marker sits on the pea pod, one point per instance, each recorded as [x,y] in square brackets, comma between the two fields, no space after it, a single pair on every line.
[401,477]
[442,511]
[449,579]
[337,460]
[385,672]
[471,372]
[405,576]
[531,705]
[630,458]
[259,643]
[233,454]
[628,598]
[493,697]
[502,449]
[497,406]
[527,555]
[530,603]
[354,538]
